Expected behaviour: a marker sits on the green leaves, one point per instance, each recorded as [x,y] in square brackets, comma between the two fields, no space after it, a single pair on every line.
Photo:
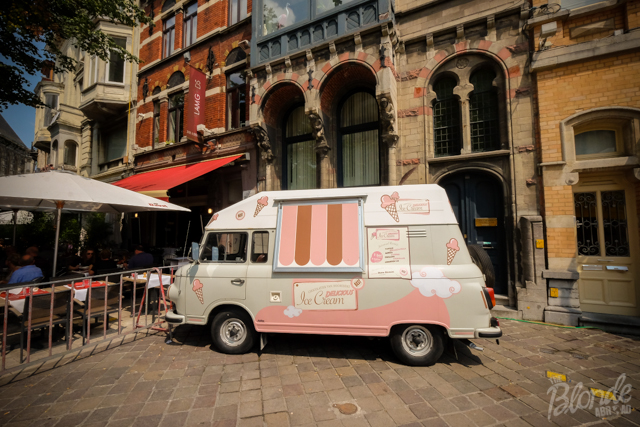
[28,26]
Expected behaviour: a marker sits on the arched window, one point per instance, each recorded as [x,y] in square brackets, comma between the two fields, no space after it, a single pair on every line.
[483,112]
[70,153]
[446,119]
[359,147]
[236,55]
[168,5]
[176,79]
[299,160]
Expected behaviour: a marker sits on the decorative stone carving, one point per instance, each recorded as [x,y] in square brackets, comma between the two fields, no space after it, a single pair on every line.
[145,89]
[211,60]
[572,178]
[388,119]
[310,72]
[382,56]
[462,63]
[262,141]
[317,129]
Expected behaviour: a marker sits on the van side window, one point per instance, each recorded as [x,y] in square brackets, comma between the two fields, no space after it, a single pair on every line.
[224,247]
[260,247]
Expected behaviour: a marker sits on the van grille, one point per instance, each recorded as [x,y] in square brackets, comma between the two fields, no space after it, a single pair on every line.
[416,233]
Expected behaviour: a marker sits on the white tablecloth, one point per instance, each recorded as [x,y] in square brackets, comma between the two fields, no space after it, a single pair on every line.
[154,280]
[81,294]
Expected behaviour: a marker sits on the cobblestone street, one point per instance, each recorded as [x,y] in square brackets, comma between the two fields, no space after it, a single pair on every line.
[297,380]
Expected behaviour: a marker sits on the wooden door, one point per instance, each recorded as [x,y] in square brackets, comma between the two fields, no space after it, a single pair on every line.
[607,246]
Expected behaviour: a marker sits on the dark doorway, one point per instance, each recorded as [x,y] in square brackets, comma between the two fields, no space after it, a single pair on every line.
[477,201]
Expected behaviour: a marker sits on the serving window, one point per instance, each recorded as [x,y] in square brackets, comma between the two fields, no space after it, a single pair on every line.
[224,247]
[320,237]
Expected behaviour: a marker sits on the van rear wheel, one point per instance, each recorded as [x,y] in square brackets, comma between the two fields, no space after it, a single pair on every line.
[232,332]
[417,345]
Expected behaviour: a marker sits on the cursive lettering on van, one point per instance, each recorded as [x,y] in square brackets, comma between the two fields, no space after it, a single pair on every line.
[320,298]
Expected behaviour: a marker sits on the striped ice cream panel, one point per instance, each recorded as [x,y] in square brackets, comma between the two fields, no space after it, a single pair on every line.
[320,235]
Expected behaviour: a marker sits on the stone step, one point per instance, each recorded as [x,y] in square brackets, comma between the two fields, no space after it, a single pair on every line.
[506,311]
[501,299]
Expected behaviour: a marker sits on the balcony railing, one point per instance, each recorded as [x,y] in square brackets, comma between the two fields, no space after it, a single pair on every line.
[120,299]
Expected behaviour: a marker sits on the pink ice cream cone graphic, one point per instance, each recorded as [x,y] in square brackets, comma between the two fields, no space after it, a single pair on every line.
[452,250]
[262,202]
[389,204]
[197,288]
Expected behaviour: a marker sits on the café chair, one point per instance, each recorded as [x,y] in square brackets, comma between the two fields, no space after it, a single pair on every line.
[40,313]
[98,307]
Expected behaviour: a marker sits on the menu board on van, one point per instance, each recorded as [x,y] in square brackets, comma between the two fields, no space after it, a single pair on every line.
[388,252]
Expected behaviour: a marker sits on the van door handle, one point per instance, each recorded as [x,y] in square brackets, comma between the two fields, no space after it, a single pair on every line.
[237,281]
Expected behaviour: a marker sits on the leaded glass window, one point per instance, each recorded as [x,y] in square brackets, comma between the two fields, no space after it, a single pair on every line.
[359,154]
[587,223]
[446,119]
[483,112]
[614,221]
[300,155]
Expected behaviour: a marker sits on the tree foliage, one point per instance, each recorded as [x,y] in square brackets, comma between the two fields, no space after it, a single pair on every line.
[26,25]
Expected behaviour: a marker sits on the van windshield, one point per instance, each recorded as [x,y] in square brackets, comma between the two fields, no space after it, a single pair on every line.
[224,247]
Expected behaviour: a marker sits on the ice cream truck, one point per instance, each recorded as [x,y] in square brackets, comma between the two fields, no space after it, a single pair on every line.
[376,261]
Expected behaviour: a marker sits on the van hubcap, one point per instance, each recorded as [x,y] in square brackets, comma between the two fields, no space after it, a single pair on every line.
[233,332]
[417,340]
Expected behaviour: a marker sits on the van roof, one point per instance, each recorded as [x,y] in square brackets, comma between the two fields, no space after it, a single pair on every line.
[383,206]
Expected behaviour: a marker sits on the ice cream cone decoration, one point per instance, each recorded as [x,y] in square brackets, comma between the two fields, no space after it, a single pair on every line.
[389,204]
[262,202]
[452,250]
[197,288]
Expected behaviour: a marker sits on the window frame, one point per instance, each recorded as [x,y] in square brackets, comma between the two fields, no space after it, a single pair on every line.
[458,120]
[93,70]
[192,21]
[230,92]
[594,126]
[286,141]
[224,261]
[64,154]
[155,134]
[124,65]
[242,11]
[375,125]
[168,35]
[179,121]
[493,93]
[253,245]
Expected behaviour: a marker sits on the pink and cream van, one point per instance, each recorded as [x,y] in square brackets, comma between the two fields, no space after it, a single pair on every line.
[376,261]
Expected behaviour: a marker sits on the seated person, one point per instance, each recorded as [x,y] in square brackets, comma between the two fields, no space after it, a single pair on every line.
[40,262]
[13,264]
[140,259]
[105,264]
[26,273]
[86,264]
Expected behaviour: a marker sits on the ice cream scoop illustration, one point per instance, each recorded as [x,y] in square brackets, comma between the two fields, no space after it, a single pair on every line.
[197,288]
[262,202]
[389,204]
[452,250]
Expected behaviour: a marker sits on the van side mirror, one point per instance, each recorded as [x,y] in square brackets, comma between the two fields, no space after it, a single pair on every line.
[195,251]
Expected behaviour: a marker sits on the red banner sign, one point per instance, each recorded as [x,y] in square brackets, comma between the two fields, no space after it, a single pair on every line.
[195,103]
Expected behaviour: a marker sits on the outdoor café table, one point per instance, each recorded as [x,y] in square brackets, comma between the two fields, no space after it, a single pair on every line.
[83,287]
[154,280]
[18,298]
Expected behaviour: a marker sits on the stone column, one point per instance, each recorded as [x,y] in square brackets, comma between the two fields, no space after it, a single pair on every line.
[463,93]
[389,135]
[322,148]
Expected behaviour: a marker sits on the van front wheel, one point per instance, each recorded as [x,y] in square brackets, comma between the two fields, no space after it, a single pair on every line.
[417,345]
[232,332]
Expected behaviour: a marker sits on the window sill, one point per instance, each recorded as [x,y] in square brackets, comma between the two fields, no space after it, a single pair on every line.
[604,163]
[458,157]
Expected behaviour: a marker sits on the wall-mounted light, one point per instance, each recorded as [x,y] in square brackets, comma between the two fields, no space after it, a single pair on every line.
[135,215]
[210,211]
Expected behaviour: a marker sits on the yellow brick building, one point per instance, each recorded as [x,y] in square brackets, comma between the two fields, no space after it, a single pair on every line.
[586,66]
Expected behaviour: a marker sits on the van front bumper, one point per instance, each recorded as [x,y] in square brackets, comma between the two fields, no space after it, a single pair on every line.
[493,332]
[175,319]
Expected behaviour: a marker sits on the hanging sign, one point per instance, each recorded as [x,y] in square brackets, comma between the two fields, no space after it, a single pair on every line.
[195,103]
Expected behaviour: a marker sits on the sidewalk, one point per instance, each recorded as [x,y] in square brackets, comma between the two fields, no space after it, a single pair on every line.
[299,380]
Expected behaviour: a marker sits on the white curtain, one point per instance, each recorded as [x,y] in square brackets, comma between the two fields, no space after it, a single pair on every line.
[301,159]
[360,159]
[360,150]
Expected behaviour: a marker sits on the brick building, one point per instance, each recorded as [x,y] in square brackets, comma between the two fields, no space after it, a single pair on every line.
[212,37]
[380,93]
[586,63]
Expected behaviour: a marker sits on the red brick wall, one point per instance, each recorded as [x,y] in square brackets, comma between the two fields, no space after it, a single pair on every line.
[214,16]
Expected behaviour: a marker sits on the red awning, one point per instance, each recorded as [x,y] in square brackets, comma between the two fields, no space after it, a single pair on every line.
[156,183]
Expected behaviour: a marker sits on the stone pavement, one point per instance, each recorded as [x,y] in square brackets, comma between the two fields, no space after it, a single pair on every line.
[297,380]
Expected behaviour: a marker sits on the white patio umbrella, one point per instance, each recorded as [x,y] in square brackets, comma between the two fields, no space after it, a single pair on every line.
[58,190]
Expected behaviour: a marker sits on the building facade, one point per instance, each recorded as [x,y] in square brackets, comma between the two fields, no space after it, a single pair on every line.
[88,123]
[15,157]
[374,93]
[587,67]
[210,37]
